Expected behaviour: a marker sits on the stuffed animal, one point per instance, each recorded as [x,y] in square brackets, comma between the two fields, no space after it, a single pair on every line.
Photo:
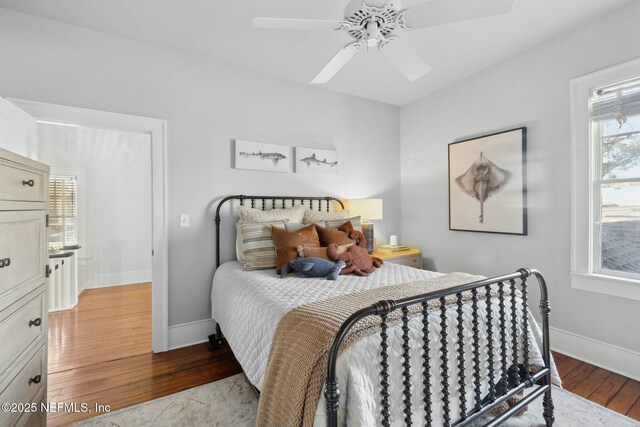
[357,259]
[314,267]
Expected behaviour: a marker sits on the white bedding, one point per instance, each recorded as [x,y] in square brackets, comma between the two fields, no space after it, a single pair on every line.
[249,304]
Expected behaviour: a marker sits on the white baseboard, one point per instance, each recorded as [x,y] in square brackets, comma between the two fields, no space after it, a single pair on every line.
[190,333]
[118,279]
[610,357]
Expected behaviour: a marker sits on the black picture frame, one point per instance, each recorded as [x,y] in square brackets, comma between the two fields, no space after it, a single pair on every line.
[501,185]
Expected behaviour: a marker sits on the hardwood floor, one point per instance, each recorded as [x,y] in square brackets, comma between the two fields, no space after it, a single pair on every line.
[107,324]
[603,387]
[125,382]
[100,353]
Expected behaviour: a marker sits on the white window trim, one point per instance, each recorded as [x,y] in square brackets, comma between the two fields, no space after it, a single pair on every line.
[584,275]
[81,204]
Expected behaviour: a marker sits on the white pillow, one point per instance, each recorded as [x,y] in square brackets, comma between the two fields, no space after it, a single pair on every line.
[296,226]
[311,216]
[293,214]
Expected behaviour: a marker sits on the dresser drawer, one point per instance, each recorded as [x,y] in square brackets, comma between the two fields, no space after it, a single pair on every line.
[25,387]
[21,183]
[23,248]
[22,324]
[34,419]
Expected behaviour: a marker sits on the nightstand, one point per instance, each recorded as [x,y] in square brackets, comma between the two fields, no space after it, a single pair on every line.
[411,257]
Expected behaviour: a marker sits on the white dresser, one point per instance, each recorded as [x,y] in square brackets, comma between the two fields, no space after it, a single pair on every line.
[23,288]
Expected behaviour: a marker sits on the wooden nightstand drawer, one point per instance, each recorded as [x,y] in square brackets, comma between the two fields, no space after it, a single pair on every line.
[410,258]
[414,261]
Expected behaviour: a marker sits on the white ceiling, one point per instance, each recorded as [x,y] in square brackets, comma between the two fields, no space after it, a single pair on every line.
[222,31]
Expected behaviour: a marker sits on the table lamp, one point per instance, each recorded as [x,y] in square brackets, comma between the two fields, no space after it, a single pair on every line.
[368,209]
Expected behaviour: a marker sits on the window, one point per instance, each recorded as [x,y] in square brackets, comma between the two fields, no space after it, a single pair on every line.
[615,124]
[63,211]
[606,181]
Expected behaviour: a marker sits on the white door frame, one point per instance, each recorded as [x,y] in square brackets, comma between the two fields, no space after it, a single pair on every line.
[157,129]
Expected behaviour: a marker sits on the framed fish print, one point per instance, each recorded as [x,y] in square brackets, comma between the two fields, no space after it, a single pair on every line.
[314,161]
[261,156]
[487,183]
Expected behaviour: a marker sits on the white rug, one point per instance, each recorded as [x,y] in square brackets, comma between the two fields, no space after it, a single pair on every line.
[230,402]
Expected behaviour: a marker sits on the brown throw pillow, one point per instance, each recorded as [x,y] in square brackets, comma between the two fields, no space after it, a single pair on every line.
[347,227]
[321,252]
[287,242]
[339,236]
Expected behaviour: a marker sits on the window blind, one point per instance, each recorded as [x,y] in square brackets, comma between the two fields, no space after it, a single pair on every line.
[63,210]
[619,100]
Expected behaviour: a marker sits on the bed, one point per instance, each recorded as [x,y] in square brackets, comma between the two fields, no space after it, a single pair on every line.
[476,354]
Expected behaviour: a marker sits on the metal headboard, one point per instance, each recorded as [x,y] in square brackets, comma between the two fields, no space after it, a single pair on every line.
[273,202]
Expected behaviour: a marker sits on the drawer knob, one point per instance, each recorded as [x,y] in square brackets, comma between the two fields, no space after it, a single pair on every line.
[30,183]
[5,262]
[35,380]
[35,322]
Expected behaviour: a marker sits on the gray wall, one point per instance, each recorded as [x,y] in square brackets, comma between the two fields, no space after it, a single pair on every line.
[528,90]
[206,105]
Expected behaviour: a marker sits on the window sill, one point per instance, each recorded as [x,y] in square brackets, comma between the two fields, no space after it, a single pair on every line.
[608,285]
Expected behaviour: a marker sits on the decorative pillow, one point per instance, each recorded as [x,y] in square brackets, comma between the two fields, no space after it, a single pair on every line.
[287,242]
[356,222]
[258,251]
[311,216]
[339,236]
[297,226]
[321,252]
[293,214]
[239,254]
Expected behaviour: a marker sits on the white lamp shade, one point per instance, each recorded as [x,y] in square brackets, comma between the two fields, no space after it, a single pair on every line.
[368,209]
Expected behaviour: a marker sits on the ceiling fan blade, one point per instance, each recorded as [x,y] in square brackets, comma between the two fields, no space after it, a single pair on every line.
[295,24]
[406,60]
[440,12]
[336,64]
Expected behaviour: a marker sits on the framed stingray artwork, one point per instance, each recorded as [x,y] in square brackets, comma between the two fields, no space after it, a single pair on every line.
[487,183]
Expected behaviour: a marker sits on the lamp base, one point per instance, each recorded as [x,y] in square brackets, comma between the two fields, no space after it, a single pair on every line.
[367,230]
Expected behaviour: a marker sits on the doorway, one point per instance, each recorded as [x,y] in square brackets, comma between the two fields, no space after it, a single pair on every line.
[100,244]
[155,130]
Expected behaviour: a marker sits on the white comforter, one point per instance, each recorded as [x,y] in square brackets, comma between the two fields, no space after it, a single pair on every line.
[249,305]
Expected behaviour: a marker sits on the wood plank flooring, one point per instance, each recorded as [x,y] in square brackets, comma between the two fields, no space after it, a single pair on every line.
[618,393]
[106,324]
[99,352]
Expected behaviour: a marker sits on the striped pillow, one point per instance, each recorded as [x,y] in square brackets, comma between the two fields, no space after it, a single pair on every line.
[258,251]
[356,221]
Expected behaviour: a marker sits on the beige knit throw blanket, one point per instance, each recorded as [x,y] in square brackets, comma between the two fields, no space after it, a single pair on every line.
[297,363]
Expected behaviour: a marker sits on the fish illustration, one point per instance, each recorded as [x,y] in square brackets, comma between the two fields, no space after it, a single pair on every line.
[315,161]
[275,157]
[482,180]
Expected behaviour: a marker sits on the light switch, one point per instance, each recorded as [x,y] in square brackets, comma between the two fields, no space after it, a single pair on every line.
[184,220]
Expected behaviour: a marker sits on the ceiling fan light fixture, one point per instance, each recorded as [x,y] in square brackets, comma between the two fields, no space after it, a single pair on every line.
[372,34]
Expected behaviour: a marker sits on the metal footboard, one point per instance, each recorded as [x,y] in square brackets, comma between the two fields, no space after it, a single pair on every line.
[514,372]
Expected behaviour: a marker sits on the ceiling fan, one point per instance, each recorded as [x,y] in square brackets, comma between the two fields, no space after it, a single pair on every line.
[375,23]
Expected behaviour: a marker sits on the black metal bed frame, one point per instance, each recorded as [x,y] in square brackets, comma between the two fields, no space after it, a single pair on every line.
[514,376]
[262,202]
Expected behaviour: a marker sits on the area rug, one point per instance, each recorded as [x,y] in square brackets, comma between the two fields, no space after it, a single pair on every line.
[230,402]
